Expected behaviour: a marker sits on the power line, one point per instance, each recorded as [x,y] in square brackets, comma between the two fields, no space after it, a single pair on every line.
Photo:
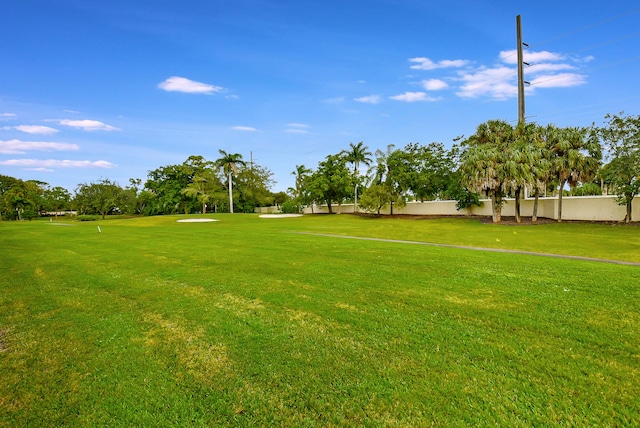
[579,30]
[589,69]
[606,42]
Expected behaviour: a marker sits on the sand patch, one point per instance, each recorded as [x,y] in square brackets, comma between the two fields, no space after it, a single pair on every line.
[279,215]
[196,220]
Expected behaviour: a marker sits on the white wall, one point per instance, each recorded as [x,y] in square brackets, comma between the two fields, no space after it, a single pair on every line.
[590,208]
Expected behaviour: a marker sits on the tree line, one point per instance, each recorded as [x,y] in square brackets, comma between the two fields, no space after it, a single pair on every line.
[498,161]
[196,185]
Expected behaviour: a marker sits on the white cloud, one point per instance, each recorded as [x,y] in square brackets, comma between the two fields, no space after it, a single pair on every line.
[41,169]
[491,82]
[297,128]
[20,147]
[434,84]
[244,128]
[7,115]
[88,125]
[54,163]
[33,129]
[182,84]
[563,80]
[369,99]
[538,68]
[532,57]
[423,63]
[499,81]
[411,97]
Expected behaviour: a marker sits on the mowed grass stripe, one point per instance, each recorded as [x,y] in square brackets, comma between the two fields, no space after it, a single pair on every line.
[236,323]
[492,250]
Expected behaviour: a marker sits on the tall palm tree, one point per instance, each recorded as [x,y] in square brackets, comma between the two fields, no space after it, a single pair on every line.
[229,163]
[356,155]
[540,167]
[301,173]
[382,168]
[520,158]
[575,154]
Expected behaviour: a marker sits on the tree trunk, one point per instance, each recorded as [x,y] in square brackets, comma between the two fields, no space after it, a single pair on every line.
[629,206]
[230,180]
[329,206]
[496,208]
[355,200]
[518,191]
[560,202]
[534,216]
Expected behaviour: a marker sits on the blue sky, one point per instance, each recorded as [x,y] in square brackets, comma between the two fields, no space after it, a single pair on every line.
[112,89]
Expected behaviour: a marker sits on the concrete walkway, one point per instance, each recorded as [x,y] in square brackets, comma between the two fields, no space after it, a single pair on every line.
[464,247]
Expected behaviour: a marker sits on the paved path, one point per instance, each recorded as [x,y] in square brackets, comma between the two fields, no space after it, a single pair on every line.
[464,247]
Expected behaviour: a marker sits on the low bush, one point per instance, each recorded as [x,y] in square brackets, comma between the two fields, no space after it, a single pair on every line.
[88,217]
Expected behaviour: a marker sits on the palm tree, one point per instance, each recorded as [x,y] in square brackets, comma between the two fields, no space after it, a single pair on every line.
[575,154]
[484,162]
[199,189]
[356,155]
[228,162]
[301,173]
[382,169]
[540,167]
[520,158]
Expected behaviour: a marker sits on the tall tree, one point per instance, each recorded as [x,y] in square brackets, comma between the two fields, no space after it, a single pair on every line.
[165,185]
[575,157]
[621,134]
[331,182]
[202,188]
[6,184]
[357,154]
[424,171]
[102,197]
[253,184]
[301,173]
[15,200]
[540,166]
[229,163]
[520,160]
[56,199]
[391,170]
[484,162]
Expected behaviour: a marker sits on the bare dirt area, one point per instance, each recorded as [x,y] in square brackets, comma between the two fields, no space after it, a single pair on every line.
[506,221]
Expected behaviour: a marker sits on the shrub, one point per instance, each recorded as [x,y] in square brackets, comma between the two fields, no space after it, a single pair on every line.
[88,217]
[587,189]
[29,214]
[290,207]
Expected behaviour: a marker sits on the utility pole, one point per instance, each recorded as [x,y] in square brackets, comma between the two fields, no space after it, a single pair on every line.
[521,63]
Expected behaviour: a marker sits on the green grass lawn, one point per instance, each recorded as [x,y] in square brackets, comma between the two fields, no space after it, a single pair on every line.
[249,322]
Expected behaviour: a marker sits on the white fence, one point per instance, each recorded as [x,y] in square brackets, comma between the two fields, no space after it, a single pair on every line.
[589,208]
